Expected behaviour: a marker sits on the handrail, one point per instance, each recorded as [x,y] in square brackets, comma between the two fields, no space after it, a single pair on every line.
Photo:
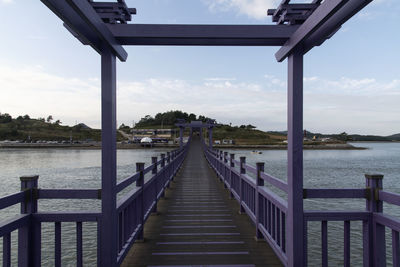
[14,223]
[389,197]
[335,193]
[12,199]
[69,194]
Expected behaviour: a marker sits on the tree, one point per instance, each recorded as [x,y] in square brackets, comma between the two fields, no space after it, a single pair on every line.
[192,117]
[26,117]
[250,127]
[58,122]
[49,118]
[5,118]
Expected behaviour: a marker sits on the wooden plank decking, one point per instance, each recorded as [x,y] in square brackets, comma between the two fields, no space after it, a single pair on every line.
[199,225]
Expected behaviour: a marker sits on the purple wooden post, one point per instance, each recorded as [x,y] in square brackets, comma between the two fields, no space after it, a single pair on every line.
[29,237]
[260,182]
[232,165]
[180,137]
[295,217]
[109,241]
[163,175]
[225,155]
[154,172]
[374,233]
[169,173]
[140,183]
[210,137]
[242,172]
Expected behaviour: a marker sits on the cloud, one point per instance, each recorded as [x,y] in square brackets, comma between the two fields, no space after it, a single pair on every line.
[331,106]
[256,9]
[6,1]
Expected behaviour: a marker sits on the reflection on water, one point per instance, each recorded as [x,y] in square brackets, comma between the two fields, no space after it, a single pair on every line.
[60,168]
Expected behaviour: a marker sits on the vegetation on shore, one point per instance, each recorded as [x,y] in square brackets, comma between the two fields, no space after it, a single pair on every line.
[26,129]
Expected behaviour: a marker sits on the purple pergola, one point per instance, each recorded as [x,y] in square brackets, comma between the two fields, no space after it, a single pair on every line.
[196,126]
[299,28]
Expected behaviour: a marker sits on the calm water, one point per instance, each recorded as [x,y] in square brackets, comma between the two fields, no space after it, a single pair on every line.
[60,168]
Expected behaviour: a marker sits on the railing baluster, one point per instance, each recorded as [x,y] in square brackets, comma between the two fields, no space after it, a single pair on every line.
[269,218]
[259,183]
[79,247]
[242,172]
[140,183]
[278,225]
[395,248]
[324,243]
[283,246]
[57,245]
[7,250]
[232,167]
[156,181]
[346,243]
[273,221]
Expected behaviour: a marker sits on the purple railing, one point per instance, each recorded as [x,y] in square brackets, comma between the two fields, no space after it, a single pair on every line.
[265,208]
[268,210]
[133,208]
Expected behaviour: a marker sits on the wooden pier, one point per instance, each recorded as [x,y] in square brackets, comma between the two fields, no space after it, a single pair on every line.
[199,224]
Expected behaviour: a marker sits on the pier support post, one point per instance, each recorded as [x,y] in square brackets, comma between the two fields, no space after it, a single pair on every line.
[140,183]
[29,237]
[232,165]
[181,137]
[154,172]
[210,137]
[225,175]
[259,182]
[108,238]
[242,172]
[164,174]
[374,233]
[296,241]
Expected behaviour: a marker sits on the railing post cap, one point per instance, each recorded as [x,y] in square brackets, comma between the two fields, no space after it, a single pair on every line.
[242,158]
[232,155]
[139,164]
[374,176]
[162,155]
[29,178]
[259,164]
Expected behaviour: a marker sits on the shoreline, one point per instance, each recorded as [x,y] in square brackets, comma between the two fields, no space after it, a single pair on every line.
[136,146]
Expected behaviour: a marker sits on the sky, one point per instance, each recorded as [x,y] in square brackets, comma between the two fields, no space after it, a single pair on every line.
[351,82]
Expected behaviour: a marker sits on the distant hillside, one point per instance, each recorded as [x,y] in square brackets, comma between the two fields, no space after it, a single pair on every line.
[24,128]
[395,137]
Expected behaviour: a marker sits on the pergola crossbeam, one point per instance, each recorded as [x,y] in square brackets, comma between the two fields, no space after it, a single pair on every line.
[207,35]
[82,19]
[321,24]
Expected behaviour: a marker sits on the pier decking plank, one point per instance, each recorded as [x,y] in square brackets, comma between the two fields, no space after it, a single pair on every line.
[199,225]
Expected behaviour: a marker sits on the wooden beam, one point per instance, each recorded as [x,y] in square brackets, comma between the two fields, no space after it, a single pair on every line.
[322,24]
[202,35]
[82,20]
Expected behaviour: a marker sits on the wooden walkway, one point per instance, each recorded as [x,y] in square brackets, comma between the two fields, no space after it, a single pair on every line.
[199,225]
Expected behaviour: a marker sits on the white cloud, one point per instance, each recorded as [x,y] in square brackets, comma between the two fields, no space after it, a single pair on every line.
[256,9]
[330,106]
[6,1]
